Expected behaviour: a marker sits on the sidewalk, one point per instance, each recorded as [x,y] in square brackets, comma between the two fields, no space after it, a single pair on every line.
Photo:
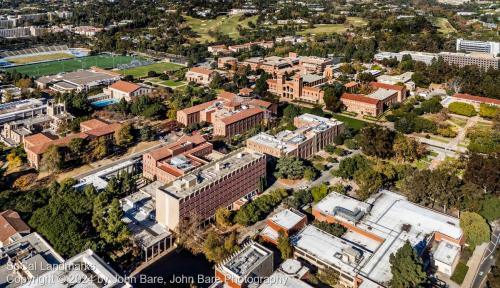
[473,263]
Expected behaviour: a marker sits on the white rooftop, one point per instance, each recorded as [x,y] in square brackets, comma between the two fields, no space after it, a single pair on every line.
[287,218]
[244,262]
[381,94]
[344,207]
[446,252]
[330,249]
[99,180]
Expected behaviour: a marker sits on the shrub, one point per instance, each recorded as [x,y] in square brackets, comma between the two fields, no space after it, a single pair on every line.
[461,108]
[488,111]
[351,144]
[447,132]
[459,273]
[333,228]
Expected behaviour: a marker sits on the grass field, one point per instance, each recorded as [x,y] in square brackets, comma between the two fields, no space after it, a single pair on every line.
[227,25]
[142,71]
[350,122]
[40,58]
[334,28]
[51,68]
[443,25]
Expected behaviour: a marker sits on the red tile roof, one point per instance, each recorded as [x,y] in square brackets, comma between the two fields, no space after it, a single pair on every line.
[124,86]
[359,98]
[199,107]
[387,86]
[93,124]
[10,224]
[164,152]
[477,98]
[261,103]
[245,91]
[41,148]
[241,115]
[228,96]
[201,70]
[37,139]
[104,130]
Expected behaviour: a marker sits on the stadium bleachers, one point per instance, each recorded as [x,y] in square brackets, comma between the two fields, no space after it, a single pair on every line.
[37,50]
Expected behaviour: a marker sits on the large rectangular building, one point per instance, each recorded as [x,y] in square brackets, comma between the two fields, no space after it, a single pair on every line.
[313,134]
[218,184]
[469,46]
[482,60]
[302,87]
[378,228]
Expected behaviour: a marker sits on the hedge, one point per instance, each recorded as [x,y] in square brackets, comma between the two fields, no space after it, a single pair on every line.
[461,108]
[488,111]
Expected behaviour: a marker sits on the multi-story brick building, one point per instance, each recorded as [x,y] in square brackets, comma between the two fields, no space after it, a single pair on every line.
[313,64]
[200,75]
[314,133]
[304,88]
[287,222]
[376,102]
[168,163]
[230,114]
[202,191]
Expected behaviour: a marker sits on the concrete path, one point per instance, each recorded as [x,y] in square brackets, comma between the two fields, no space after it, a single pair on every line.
[473,263]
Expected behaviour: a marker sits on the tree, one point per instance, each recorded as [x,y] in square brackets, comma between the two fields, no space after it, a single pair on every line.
[407,268]
[319,192]
[310,173]
[123,136]
[332,95]
[290,112]
[77,147]
[115,232]
[333,228]
[216,82]
[349,166]
[376,141]
[369,182]
[408,149]
[52,159]
[475,228]
[261,85]
[222,217]
[283,244]
[484,171]
[289,167]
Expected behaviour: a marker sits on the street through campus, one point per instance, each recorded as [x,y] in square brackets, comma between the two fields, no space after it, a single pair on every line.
[488,259]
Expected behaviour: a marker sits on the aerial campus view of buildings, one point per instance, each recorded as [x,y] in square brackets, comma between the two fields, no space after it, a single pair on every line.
[206,197]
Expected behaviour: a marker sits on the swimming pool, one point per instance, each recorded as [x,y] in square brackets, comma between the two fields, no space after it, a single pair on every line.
[104,102]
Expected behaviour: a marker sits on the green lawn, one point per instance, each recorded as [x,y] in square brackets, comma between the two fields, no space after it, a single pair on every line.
[439,139]
[142,71]
[458,121]
[459,273]
[227,25]
[172,83]
[51,68]
[443,25]
[40,58]
[350,122]
[334,28]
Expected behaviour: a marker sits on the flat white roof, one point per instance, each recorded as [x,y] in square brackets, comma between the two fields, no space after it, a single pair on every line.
[446,252]
[381,94]
[287,218]
[244,262]
[334,204]
[329,249]
[98,179]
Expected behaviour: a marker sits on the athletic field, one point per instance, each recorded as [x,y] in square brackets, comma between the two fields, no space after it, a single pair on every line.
[40,58]
[55,67]
[142,71]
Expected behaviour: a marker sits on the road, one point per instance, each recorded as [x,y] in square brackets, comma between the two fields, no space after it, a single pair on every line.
[488,259]
[170,139]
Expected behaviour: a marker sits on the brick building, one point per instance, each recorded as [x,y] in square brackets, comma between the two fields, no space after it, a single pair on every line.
[202,191]
[126,90]
[287,222]
[313,134]
[168,163]
[305,88]
[12,227]
[375,103]
[230,114]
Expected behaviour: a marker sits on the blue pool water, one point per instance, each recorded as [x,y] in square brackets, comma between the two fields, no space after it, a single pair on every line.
[104,103]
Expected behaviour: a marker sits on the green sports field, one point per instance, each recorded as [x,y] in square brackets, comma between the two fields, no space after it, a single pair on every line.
[51,68]
[142,71]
